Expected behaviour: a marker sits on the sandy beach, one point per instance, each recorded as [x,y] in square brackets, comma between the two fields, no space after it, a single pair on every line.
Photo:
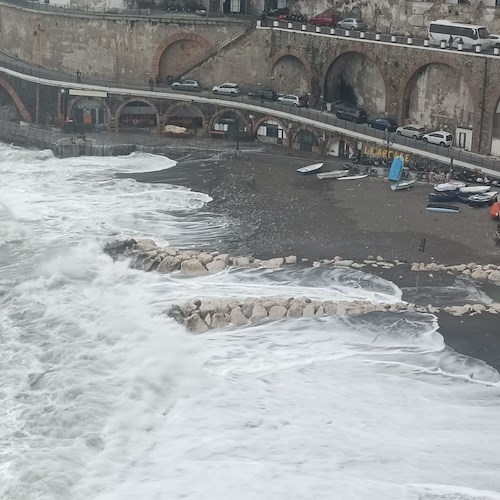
[278,213]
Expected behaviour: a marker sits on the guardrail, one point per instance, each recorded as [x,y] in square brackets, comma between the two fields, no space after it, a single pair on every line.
[369,36]
[313,117]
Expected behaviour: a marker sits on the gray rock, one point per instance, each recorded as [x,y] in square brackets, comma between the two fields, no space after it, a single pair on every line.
[205,258]
[258,313]
[494,275]
[277,312]
[237,317]
[216,266]
[196,324]
[219,320]
[193,266]
[169,264]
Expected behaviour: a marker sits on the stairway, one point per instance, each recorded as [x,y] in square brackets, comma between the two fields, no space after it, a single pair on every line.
[210,53]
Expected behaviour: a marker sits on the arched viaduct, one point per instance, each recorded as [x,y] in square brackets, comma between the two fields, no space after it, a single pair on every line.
[437,88]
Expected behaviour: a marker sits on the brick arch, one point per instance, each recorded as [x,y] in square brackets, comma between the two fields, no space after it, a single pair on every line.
[259,122]
[296,131]
[136,99]
[241,116]
[364,51]
[23,111]
[73,102]
[192,107]
[351,141]
[160,49]
[289,51]
[438,58]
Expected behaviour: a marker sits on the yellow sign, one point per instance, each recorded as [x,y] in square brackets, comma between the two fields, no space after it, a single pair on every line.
[390,154]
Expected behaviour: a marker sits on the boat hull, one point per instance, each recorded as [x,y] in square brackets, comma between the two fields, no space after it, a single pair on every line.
[336,174]
[403,185]
[443,196]
[439,207]
[310,169]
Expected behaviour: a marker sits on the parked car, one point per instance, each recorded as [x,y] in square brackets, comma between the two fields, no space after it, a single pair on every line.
[440,137]
[282,11]
[226,88]
[350,113]
[411,130]
[351,23]
[186,85]
[387,124]
[323,20]
[293,100]
[263,95]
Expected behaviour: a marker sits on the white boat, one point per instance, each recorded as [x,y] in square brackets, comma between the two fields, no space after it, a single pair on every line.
[353,177]
[406,184]
[474,189]
[449,186]
[310,169]
[334,174]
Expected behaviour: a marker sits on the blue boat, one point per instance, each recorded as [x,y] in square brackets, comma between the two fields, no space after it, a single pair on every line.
[396,169]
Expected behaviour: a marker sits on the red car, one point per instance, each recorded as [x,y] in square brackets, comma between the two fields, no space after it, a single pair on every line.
[323,21]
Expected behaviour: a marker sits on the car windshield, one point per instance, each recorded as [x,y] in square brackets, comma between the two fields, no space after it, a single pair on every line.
[483,33]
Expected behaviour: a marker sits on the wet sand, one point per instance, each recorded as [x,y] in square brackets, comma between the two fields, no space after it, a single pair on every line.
[279,213]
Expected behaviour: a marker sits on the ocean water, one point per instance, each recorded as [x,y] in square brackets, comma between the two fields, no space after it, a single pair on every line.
[103,397]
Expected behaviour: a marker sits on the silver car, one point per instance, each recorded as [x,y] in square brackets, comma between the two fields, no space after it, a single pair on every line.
[351,23]
[186,85]
[293,100]
[227,88]
[412,130]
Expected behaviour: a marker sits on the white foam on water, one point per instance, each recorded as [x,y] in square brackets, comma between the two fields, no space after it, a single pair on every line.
[105,397]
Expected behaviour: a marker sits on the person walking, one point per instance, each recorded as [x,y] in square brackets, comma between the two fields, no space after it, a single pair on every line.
[151,83]
[450,41]
[78,76]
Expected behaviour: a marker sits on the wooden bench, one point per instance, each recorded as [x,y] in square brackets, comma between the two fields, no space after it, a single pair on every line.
[218,133]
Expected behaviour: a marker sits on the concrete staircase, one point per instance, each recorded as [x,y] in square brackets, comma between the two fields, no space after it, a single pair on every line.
[210,53]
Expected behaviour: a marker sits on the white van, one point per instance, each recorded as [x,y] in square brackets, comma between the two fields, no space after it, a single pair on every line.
[469,33]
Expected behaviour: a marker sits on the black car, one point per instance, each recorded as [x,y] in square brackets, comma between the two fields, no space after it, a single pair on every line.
[387,124]
[263,95]
[350,113]
[283,11]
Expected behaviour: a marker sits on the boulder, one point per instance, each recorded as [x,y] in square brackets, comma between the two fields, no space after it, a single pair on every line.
[309,310]
[345,263]
[169,264]
[196,324]
[205,258]
[295,311]
[216,266]
[291,259]
[241,262]
[494,275]
[277,312]
[237,317]
[272,263]
[479,274]
[258,313]
[219,320]
[145,245]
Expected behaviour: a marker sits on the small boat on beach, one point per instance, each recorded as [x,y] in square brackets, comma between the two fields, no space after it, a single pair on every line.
[474,189]
[310,169]
[334,174]
[443,196]
[439,207]
[495,210]
[449,186]
[353,177]
[406,184]
[482,199]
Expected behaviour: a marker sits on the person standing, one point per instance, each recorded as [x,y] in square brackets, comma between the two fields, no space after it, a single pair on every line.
[158,80]
[450,41]
[151,83]
[78,76]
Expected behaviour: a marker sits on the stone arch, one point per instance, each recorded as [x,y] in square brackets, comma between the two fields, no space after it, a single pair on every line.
[195,46]
[337,138]
[312,142]
[214,119]
[275,137]
[492,121]
[72,103]
[363,98]
[23,111]
[193,111]
[262,120]
[136,99]
[410,77]
[295,64]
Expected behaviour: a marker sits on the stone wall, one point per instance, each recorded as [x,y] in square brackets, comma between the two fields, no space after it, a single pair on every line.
[114,48]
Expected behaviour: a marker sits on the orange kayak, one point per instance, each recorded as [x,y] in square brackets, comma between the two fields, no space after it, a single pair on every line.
[495,210]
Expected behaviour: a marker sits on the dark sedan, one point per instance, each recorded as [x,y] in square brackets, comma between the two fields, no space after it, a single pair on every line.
[263,95]
[387,124]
